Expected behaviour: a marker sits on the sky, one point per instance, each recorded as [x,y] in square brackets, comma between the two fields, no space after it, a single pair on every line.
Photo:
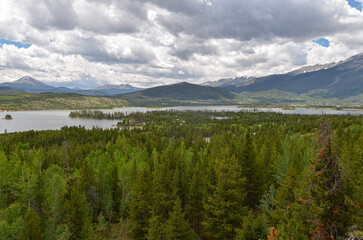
[86,43]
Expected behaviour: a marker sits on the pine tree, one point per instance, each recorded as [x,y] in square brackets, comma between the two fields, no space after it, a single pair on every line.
[252,228]
[12,222]
[163,194]
[56,187]
[4,180]
[139,211]
[330,212]
[194,205]
[156,228]
[77,212]
[225,209]
[288,216]
[176,226]
[32,225]
[285,195]
[247,160]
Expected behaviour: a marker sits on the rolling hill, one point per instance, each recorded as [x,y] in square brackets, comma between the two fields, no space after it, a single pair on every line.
[59,101]
[117,89]
[8,90]
[183,91]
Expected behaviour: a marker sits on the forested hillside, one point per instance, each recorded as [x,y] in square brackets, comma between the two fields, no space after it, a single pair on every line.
[179,94]
[186,175]
[59,101]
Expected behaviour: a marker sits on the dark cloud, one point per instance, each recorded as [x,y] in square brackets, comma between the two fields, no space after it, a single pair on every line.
[47,14]
[247,62]
[242,20]
[187,51]
[98,50]
[101,17]
[187,7]
[116,17]
[249,19]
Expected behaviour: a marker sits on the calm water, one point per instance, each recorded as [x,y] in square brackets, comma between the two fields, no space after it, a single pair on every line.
[45,120]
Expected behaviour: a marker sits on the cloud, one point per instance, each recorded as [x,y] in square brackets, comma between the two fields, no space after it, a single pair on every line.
[245,20]
[102,17]
[151,42]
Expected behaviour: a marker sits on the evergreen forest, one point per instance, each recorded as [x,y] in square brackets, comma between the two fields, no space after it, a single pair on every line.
[186,175]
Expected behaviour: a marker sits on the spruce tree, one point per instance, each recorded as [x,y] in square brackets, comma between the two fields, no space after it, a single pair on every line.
[247,160]
[176,226]
[32,225]
[194,205]
[139,211]
[225,209]
[77,211]
[252,228]
[330,212]
[156,228]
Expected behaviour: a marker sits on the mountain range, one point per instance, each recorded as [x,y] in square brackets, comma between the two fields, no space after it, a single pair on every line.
[117,89]
[228,81]
[31,85]
[335,80]
[342,80]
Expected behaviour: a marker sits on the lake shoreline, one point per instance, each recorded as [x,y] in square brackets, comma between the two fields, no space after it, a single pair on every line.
[56,119]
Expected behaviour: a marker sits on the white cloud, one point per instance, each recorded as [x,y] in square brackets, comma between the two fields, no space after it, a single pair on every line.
[156,42]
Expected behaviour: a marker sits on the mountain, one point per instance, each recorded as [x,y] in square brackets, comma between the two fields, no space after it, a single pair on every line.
[117,89]
[182,91]
[228,81]
[29,84]
[313,68]
[336,80]
[8,90]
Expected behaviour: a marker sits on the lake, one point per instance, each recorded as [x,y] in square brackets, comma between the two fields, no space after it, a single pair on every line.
[56,119]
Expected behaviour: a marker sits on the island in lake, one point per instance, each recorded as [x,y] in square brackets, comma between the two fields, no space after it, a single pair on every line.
[8,117]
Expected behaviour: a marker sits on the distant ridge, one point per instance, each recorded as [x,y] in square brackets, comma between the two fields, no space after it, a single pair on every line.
[29,84]
[335,80]
[117,89]
[8,90]
[183,91]
[340,80]
[228,81]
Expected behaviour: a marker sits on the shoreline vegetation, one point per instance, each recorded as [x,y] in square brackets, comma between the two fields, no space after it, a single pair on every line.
[96,114]
[182,173]
[293,107]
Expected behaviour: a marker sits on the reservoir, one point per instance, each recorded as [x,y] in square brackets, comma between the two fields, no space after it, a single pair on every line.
[56,119]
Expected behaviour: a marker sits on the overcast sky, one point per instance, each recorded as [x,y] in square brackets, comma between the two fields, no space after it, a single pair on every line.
[87,43]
